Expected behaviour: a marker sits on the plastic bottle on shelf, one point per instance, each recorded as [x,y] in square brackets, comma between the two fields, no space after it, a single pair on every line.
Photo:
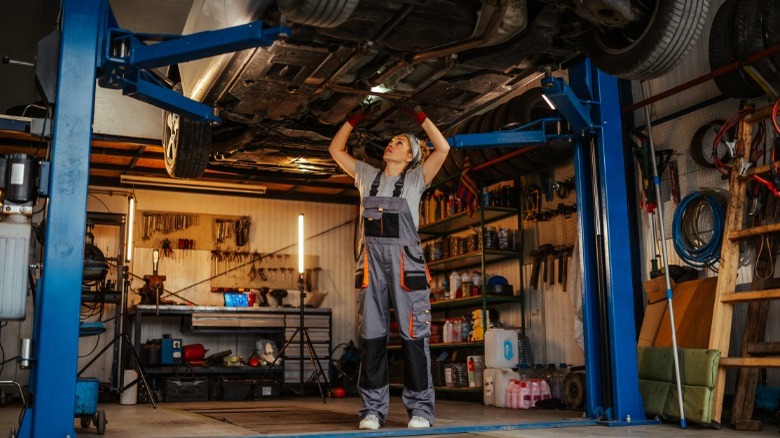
[476,281]
[466,280]
[515,394]
[525,395]
[465,328]
[549,372]
[455,337]
[447,332]
[544,390]
[536,392]
[557,385]
[538,371]
[455,283]
[524,371]
[431,208]
[472,378]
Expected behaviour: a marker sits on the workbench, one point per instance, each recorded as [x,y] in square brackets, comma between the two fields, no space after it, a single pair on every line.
[267,321]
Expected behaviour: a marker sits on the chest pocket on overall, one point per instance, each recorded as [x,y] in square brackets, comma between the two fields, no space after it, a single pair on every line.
[414,271]
[381,222]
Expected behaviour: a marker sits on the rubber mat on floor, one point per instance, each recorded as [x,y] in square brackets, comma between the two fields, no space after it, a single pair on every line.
[286,419]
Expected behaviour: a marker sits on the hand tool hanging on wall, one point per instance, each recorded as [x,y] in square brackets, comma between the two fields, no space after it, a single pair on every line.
[166,223]
[548,261]
[537,256]
[242,231]
[223,229]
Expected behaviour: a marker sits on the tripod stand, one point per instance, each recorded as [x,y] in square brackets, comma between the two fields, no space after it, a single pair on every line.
[124,343]
[123,386]
[303,332]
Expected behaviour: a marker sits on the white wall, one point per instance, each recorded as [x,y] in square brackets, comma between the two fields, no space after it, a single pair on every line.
[274,226]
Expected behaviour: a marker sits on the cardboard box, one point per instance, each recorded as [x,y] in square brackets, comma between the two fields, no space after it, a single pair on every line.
[654,311]
[693,303]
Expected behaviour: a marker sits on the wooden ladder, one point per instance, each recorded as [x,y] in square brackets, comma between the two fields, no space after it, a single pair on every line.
[726,296]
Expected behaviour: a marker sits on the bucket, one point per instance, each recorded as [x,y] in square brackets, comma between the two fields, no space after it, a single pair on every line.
[130,395]
[501,348]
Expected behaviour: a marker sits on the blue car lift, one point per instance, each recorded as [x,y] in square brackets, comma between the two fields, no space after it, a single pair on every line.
[92,46]
[591,106]
[90,36]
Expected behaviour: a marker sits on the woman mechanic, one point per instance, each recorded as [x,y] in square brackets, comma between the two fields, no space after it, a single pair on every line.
[391,271]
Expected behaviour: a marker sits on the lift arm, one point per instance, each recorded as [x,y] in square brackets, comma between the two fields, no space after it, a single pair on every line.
[124,60]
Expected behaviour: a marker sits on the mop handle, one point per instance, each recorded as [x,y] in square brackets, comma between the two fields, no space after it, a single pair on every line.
[660,206]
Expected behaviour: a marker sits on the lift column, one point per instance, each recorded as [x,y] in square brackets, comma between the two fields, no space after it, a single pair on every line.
[56,325]
[605,227]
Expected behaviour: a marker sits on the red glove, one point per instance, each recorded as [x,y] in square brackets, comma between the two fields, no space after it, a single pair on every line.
[416,112]
[357,118]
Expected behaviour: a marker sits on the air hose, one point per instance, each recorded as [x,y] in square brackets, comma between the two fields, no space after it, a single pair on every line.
[689,240]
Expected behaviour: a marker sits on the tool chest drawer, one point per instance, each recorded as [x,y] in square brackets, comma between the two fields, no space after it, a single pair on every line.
[232,320]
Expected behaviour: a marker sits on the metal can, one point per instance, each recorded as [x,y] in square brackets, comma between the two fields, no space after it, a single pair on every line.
[472,242]
[503,239]
[454,246]
[437,253]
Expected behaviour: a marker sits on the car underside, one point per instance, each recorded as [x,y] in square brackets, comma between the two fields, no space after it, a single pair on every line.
[464,62]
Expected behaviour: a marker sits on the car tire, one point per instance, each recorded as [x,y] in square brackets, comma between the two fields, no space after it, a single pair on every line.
[772,28]
[645,52]
[186,145]
[318,13]
[722,51]
[749,32]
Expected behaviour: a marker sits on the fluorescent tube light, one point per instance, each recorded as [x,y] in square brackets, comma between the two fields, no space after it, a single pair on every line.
[129,232]
[173,183]
[300,243]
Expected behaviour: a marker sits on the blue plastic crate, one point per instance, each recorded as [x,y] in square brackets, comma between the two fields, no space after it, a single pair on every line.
[86,396]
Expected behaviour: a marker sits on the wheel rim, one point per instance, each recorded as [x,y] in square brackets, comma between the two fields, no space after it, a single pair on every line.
[619,41]
[172,123]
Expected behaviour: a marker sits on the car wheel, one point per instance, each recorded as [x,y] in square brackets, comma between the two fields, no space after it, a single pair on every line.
[186,145]
[317,13]
[750,31]
[737,84]
[648,50]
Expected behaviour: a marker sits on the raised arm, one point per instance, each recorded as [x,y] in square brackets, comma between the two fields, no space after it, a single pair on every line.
[338,145]
[441,148]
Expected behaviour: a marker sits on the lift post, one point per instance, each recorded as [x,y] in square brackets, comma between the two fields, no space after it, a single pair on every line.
[591,105]
[90,37]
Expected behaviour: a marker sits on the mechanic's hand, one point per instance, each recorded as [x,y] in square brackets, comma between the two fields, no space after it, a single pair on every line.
[416,112]
[356,119]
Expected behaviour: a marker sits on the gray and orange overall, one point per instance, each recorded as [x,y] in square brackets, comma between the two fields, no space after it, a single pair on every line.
[391,272]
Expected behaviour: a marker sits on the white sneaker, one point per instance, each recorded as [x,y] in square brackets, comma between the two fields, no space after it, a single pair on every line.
[370,422]
[418,422]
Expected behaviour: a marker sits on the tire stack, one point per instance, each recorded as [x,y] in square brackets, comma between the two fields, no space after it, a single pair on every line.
[742,28]
[519,111]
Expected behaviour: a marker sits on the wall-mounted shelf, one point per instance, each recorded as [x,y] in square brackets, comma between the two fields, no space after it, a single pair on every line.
[474,300]
[473,258]
[462,221]
[475,344]
[187,371]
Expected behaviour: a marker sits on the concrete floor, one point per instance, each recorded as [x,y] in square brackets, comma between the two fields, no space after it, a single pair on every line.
[294,416]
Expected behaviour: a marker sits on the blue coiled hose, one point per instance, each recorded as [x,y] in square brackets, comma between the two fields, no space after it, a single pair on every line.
[685,233]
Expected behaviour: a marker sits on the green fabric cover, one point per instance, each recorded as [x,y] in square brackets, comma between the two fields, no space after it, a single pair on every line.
[658,385]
